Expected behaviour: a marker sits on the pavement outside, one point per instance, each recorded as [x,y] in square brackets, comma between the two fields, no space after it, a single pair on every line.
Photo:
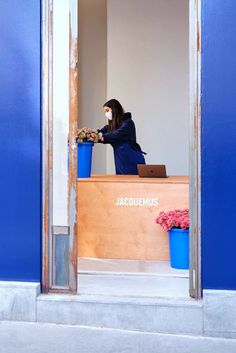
[21,337]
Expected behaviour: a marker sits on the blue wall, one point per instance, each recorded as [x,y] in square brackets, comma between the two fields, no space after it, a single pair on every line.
[20,242]
[219,144]
[20,140]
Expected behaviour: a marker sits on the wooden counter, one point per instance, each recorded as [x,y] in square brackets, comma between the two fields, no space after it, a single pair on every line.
[116,215]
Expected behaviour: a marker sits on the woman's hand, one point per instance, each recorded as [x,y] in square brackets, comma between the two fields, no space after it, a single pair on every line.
[100,137]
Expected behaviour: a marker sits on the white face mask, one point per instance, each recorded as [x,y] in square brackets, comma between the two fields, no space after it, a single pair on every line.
[108,115]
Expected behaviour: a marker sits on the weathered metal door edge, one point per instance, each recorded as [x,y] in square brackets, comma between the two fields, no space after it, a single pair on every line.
[46,93]
[73,125]
[48,269]
[195,148]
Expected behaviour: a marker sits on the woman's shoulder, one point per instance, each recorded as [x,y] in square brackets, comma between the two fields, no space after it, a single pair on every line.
[127,116]
[128,119]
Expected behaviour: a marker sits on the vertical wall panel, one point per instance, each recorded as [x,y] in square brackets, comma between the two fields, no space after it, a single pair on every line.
[20,140]
[60,110]
[218,144]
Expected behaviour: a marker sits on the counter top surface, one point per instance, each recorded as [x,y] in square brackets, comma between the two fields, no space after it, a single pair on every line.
[109,178]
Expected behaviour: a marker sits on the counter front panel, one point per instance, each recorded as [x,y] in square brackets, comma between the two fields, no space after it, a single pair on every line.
[116,215]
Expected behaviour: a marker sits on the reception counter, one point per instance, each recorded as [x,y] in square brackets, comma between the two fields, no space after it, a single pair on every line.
[116,215]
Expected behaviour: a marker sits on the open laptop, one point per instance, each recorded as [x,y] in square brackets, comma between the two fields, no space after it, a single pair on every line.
[152,170]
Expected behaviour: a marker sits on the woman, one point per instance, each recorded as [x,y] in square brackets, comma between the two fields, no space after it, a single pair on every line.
[120,133]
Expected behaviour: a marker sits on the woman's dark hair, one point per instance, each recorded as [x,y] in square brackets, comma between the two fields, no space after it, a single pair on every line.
[118,114]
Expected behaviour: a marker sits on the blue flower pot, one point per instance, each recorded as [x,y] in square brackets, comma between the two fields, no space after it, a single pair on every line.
[179,248]
[85,159]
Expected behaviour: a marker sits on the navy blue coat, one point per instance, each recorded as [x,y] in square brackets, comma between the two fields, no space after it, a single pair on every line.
[127,153]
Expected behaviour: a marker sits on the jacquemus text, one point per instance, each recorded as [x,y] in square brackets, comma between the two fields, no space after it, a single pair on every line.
[136,201]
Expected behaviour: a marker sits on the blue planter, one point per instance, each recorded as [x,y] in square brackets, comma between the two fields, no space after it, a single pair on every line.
[84,159]
[179,248]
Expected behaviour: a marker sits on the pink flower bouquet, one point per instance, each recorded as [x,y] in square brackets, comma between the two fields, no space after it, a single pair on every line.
[87,135]
[173,219]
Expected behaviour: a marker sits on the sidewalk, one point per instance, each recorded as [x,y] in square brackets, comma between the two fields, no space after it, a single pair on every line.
[21,337]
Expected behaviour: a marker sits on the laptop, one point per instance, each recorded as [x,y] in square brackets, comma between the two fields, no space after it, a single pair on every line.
[152,170]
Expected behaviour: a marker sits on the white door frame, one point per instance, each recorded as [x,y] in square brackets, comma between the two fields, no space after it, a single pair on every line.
[49,230]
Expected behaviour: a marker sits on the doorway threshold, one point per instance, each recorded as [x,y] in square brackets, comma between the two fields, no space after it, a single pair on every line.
[138,278]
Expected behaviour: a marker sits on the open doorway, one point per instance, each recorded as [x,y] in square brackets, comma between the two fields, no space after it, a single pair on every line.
[134,79]
[136,52]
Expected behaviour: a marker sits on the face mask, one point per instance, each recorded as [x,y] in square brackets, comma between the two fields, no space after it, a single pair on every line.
[108,115]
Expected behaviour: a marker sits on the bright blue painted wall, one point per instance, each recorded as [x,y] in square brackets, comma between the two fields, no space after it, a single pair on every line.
[20,140]
[219,144]
[20,243]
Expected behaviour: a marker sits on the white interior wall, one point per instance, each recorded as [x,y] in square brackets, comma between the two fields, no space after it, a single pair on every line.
[60,110]
[143,61]
[147,71]
[93,72]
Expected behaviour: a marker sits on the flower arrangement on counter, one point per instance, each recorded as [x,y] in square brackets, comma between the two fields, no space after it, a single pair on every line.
[87,135]
[173,219]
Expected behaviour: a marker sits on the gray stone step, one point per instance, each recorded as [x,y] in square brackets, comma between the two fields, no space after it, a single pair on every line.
[133,285]
[24,337]
[176,316]
[214,316]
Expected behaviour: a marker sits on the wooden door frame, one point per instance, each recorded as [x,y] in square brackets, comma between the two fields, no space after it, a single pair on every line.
[47,93]
[47,147]
[195,289]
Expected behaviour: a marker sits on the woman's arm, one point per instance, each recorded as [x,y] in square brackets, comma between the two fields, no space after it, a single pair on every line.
[121,134]
[103,130]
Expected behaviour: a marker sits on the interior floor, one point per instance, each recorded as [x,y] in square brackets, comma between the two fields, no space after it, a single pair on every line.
[131,278]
